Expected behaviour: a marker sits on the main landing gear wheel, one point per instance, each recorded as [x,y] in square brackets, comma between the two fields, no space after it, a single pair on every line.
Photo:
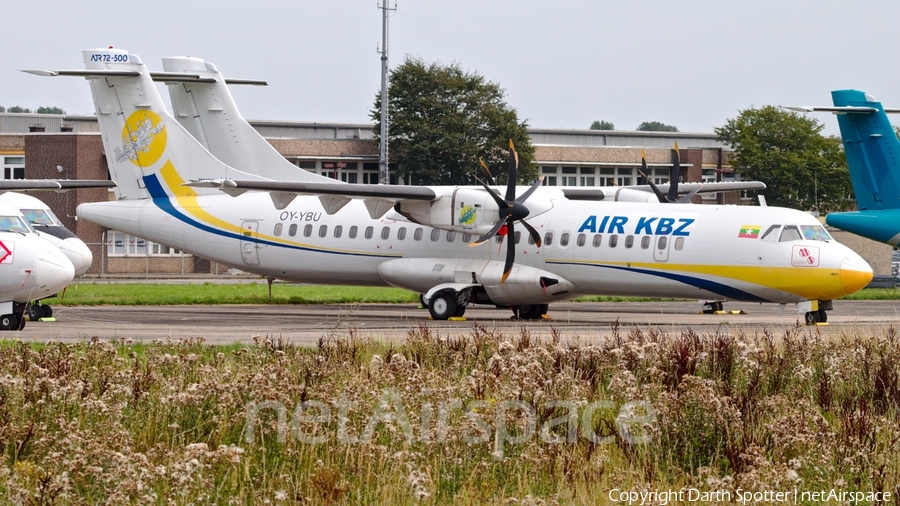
[814,317]
[11,322]
[530,311]
[443,305]
[712,307]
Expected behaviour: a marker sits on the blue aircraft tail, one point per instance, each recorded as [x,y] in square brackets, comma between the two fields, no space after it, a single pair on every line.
[872,150]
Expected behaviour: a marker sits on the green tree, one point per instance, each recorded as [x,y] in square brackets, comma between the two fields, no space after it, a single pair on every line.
[801,168]
[2,109]
[602,125]
[19,109]
[656,126]
[442,120]
[50,110]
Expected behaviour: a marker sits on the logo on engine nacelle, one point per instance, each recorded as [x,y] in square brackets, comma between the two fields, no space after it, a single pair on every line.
[467,215]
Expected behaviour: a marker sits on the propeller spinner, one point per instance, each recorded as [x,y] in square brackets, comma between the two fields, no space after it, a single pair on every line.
[512,209]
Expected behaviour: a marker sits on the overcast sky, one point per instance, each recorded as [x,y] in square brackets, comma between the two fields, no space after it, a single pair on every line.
[563,63]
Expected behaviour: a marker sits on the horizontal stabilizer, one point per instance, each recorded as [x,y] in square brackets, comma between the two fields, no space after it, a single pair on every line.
[53,184]
[88,73]
[839,109]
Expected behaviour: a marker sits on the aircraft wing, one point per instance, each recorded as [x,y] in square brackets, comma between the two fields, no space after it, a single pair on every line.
[53,184]
[588,193]
[379,199]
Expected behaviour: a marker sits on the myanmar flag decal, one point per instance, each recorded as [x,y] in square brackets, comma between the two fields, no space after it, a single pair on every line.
[749,232]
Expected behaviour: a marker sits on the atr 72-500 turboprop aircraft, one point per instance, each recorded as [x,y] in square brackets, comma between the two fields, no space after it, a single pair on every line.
[169,191]
[872,148]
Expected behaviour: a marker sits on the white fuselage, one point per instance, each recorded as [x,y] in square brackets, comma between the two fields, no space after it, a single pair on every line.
[661,250]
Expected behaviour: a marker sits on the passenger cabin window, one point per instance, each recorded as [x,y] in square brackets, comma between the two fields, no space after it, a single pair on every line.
[548,239]
[564,240]
[629,241]
[353,231]
[386,233]
[435,234]
[451,236]
[662,242]
[278,227]
[337,231]
[645,242]
[679,243]
[401,234]
[770,234]
[467,238]
[370,231]
[323,230]
[518,236]
[307,231]
[790,233]
[613,240]
[530,239]
[292,230]
[417,235]
[581,239]
[598,240]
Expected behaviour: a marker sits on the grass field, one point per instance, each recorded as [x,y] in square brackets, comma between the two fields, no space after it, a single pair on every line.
[487,418]
[94,294]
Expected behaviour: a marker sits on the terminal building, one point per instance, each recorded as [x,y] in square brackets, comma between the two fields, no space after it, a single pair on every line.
[49,146]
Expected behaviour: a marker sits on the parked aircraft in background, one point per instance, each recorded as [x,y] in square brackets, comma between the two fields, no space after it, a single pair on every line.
[203,105]
[170,191]
[30,268]
[871,147]
[47,225]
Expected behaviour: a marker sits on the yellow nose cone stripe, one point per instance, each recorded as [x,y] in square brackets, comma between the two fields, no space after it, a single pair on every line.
[854,280]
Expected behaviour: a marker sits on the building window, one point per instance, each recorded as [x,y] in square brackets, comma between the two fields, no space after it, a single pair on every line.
[120,244]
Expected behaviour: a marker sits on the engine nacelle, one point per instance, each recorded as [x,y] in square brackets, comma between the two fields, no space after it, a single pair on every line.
[616,194]
[466,210]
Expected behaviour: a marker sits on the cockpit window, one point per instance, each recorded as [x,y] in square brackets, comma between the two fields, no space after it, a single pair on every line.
[39,217]
[790,233]
[770,233]
[14,224]
[815,233]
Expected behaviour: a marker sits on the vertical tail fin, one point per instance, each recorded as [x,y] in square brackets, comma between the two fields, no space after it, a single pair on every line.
[206,108]
[148,152]
[872,151]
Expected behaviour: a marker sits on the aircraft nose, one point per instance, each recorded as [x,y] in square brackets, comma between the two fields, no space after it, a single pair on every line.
[855,273]
[79,254]
[53,272]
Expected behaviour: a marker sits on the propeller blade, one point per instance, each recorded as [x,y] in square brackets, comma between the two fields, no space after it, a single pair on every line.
[511,175]
[534,186]
[656,190]
[673,176]
[500,202]
[510,250]
[534,233]
[490,178]
[687,198]
[487,237]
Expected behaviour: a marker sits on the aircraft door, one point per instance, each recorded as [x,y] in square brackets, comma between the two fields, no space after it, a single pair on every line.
[661,253]
[249,248]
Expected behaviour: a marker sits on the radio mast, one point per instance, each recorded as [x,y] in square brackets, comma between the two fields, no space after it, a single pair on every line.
[383,156]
